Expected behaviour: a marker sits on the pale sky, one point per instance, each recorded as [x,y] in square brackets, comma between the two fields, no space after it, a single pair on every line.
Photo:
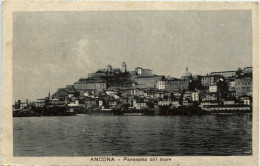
[54,49]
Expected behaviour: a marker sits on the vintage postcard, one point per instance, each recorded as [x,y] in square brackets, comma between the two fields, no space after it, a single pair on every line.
[129,83]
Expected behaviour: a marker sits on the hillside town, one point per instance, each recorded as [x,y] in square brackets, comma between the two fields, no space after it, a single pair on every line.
[140,89]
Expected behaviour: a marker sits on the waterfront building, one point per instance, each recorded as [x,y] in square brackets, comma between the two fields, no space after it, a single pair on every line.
[209,103]
[168,102]
[73,103]
[176,104]
[246,100]
[40,103]
[130,100]
[229,102]
[186,75]
[23,105]
[112,103]
[124,100]
[139,104]
[89,102]
[163,102]
[243,86]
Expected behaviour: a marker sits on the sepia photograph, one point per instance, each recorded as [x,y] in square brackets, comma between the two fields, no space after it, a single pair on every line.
[133,83]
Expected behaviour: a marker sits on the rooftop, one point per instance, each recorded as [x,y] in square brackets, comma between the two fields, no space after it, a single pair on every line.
[222,72]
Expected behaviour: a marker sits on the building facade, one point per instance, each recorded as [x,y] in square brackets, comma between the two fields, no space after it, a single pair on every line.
[177,85]
[243,86]
[161,85]
[208,80]
[148,81]
[213,88]
[99,86]
[225,74]
[195,96]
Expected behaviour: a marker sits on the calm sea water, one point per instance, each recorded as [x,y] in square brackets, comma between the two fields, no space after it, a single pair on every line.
[133,135]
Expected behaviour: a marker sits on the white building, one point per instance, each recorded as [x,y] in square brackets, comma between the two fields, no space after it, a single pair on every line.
[74,103]
[195,96]
[174,103]
[246,100]
[229,102]
[139,105]
[213,88]
[100,103]
[232,83]
[161,85]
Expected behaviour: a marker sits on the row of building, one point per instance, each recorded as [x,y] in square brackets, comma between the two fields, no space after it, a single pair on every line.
[141,88]
[236,83]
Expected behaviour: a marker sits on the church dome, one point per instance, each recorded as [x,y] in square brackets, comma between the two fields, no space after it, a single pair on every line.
[186,74]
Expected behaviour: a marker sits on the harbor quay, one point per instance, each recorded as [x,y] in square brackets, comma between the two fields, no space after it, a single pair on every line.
[119,91]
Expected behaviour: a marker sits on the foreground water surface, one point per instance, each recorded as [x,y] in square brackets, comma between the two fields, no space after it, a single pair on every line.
[133,135]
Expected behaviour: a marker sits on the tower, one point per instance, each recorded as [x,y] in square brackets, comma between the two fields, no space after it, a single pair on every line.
[109,68]
[186,75]
[124,67]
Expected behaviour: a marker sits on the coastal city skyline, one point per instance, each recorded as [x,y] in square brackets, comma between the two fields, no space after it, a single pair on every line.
[53,49]
[52,90]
